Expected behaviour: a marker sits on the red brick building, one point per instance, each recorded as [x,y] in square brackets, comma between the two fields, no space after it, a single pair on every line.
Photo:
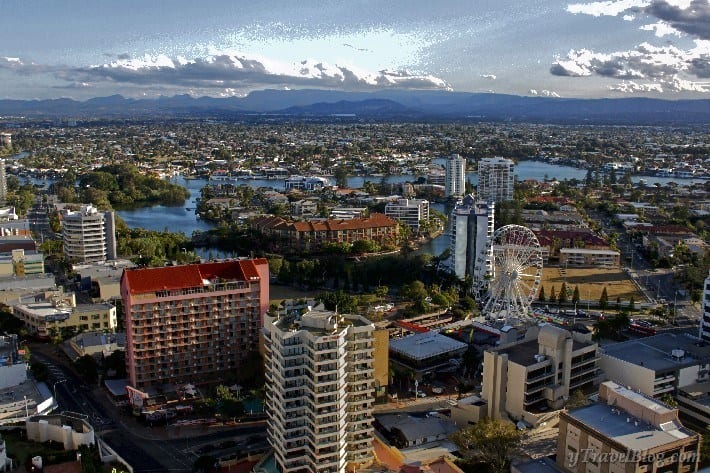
[311,234]
[191,323]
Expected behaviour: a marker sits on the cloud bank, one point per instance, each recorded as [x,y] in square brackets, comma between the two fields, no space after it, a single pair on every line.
[648,68]
[228,71]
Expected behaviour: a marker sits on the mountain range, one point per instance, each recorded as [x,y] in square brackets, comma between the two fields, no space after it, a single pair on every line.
[382,105]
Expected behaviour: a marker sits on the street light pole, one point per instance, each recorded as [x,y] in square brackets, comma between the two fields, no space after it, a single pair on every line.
[27,412]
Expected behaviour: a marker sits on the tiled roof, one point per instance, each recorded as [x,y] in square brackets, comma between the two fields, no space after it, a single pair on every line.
[373,221]
[192,275]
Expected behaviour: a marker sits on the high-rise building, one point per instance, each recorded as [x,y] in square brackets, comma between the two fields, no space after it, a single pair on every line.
[320,390]
[3,183]
[89,235]
[191,323]
[495,179]
[455,176]
[705,319]
[471,231]
[411,212]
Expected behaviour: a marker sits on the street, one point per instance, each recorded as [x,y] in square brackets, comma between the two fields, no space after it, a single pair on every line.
[147,449]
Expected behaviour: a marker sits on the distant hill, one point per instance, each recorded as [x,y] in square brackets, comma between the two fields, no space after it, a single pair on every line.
[385,104]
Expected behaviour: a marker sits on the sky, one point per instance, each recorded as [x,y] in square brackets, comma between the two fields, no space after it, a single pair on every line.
[221,48]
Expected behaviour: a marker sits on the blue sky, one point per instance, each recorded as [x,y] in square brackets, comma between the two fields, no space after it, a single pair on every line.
[614,48]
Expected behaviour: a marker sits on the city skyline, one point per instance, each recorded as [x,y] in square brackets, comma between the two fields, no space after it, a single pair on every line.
[615,48]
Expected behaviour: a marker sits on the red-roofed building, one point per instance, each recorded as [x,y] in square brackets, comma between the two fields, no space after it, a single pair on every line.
[311,234]
[189,324]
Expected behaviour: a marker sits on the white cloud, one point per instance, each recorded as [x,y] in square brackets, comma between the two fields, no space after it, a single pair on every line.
[607,8]
[230,70]
[544,93]
[629,17]
[662,67]
[489,76]
[661,29]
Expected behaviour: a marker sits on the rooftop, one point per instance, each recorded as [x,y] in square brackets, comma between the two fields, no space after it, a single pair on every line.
[425,345]
[652,424]
[656,352]
[634,434]
[190,276]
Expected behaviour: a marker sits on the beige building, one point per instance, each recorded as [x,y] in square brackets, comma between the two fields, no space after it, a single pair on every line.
[626,432]
[20,263]
[523,379]
[589,257]
[56,313]
[320,390]
[667,363]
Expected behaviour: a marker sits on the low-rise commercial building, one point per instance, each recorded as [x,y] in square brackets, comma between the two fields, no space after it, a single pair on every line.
[424,352]
[56,313]
[626,432]
[597,258]
[676,364]
[525,378]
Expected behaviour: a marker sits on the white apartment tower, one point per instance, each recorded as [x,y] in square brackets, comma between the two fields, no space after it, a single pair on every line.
[411,212]
[455,176]
[495,179]
[320,391]
[89,235]
[705,319]
[3,183]
[471,231]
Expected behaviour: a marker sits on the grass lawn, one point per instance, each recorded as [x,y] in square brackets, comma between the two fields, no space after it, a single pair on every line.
[591,283]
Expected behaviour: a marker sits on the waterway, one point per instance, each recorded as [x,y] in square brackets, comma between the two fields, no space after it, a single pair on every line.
[183,218]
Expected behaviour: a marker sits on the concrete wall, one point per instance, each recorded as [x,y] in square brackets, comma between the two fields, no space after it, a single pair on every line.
[381,361]
[628,374]
[43,429]
[12,375]
[517,374]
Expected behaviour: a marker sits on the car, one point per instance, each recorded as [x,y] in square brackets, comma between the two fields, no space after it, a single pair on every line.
[437,390]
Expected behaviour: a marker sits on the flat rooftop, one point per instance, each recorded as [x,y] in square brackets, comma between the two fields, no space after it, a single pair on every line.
[422,346]
[634,434]
[522,353]
[655,352]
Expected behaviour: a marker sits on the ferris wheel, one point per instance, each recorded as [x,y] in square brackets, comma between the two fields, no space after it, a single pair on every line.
[516,273]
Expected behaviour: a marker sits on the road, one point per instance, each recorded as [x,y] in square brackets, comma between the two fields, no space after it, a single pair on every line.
[147,449]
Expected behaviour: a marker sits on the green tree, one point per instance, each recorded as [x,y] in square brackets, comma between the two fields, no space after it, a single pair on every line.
[669,400]
[341,177]
[603,300]
[39,370]
[541,296]
[577,399]
[415,291]
[632,304]
[491,441]
[553,295]
[575,295]
[87,367]
[562,298]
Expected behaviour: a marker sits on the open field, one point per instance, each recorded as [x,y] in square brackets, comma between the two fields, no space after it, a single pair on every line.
[591,283]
